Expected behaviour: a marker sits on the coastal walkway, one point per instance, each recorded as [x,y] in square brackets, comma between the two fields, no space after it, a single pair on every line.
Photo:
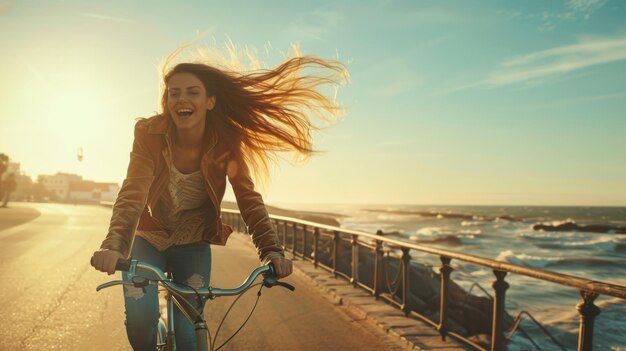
[50,302]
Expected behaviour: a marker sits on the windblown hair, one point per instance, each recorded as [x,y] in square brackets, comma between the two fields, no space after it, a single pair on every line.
[267,111]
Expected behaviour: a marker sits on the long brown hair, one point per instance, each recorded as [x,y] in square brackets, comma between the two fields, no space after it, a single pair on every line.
[267,111]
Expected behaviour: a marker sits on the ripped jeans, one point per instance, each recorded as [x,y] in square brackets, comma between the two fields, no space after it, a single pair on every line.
[190,264]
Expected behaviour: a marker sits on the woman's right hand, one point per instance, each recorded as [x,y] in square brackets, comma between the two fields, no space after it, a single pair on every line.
[105,260]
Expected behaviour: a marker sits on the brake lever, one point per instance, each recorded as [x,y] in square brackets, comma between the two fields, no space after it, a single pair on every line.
[112,283]
[270,281]
[141,282]
[286,285]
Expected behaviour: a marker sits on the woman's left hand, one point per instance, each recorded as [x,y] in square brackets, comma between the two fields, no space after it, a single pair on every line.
[283,266]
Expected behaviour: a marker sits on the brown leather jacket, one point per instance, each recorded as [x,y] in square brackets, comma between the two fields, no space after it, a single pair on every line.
[148,176]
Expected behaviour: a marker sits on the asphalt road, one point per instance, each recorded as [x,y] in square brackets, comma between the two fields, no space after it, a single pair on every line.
[49,300]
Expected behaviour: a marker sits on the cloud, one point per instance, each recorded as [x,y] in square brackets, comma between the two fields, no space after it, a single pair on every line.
[557,61]
[107,18]
[586,7]
[574,10]
[583,48]
[537,67]
[570,11]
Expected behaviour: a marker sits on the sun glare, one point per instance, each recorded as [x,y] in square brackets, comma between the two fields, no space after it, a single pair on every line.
[62,117]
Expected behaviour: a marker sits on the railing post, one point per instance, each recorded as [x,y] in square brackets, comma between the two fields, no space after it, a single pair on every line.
[293,240]
[445,270]
[406,284]
[588,312]
[498,342]
[377,270]
[285,235]
[355,260]
[316,244]
[304,242]
[336,240]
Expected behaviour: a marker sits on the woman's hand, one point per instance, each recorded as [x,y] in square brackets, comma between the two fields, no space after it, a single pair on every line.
[283,266]
[105,260]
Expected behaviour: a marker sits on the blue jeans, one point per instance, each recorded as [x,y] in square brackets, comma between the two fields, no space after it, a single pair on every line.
[190,264]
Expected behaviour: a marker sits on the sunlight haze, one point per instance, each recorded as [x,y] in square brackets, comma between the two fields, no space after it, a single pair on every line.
[450,102]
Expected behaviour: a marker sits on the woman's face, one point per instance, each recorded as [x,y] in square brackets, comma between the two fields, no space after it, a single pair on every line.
[187,101]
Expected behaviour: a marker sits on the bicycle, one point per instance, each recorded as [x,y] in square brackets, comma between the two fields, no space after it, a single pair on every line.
[166,339]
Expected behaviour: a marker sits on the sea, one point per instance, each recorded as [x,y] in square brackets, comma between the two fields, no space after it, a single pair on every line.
[587,242]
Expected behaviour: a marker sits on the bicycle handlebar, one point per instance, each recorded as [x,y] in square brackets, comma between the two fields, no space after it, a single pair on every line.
[131,266]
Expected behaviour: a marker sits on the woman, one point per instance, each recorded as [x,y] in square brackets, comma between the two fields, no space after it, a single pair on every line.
[214,125]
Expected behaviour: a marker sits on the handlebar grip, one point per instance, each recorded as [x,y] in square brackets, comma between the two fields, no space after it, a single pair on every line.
[122,264]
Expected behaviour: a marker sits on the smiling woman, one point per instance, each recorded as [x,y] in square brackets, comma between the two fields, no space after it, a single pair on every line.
[214,125]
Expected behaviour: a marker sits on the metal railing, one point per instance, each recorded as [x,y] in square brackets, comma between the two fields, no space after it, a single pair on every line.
[324,245]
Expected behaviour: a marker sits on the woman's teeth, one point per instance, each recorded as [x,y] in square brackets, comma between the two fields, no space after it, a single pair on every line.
[184,112]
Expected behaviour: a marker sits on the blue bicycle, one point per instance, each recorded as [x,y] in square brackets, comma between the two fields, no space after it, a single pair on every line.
[176,295]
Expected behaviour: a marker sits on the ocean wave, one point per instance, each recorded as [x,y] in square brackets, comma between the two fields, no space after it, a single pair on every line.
[552,236]
[539,236]
[471,223]
[606,244]
[470,233]
[602,244]
[558,261]
[609,328]
[429,231]
[395,217]
[448,240]
[570,225]
[445,215]
[525,260]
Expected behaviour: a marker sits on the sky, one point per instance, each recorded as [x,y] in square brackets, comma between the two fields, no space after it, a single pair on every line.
[450,102]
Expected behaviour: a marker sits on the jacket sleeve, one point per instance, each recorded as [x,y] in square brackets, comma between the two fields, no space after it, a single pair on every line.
[132,197]
[253,210]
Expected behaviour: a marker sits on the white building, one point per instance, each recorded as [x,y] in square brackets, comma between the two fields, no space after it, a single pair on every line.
[59,184]
[72,188]
[89,191]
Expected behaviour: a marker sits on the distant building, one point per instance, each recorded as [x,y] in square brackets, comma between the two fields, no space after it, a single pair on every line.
[89,191]
[59,184]
[72,188]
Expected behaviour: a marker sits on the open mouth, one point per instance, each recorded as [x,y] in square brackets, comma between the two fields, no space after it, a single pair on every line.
[184,112]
